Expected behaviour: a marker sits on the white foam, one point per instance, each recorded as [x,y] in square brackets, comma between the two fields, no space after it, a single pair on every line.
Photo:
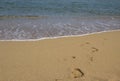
[25,30]
[46,38]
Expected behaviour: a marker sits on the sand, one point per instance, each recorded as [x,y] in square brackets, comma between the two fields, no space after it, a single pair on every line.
[84,58]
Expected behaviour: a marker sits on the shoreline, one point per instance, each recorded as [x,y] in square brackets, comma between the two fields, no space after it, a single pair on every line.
[59,37]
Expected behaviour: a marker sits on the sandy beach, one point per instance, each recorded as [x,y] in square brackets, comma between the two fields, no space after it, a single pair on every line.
[93,57]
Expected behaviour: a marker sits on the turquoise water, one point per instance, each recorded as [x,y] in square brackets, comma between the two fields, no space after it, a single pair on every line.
[59,7]
[35,19]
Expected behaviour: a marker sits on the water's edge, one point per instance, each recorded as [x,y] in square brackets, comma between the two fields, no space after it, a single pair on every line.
[52,38]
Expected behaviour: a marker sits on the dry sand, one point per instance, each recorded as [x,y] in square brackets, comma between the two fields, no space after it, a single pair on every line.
[86,58]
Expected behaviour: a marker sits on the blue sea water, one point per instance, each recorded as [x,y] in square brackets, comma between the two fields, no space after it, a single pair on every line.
[34,19]
[59,7]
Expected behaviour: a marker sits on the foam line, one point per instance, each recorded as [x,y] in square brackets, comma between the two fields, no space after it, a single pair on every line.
[46,38]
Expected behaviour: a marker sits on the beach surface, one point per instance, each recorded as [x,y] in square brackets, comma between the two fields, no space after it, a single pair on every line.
[93,57]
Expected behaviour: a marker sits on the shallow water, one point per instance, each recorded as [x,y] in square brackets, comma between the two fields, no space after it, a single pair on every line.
[35,19]
[55,26]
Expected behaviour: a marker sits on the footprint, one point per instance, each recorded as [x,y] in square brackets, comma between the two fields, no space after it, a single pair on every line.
[74,57]
[58,79]
[91,59]
[94,49]
[87,43]
[77,73]
[84,44]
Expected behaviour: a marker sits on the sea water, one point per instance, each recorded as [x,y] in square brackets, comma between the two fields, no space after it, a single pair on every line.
[35,19]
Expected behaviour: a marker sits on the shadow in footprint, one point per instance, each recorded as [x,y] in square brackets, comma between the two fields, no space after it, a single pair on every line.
[77,73]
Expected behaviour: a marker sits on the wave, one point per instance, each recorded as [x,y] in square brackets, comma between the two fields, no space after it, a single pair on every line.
[47,38]
[25,29]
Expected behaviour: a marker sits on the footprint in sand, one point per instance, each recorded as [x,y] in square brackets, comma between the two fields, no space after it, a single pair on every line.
[91,59]
[84,44]
[90,50]
[58,79]
[74,57]
[77,73]
[88,46]
[94,49]
[87,43]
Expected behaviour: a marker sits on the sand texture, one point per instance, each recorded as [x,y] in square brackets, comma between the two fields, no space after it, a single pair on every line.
[84,58]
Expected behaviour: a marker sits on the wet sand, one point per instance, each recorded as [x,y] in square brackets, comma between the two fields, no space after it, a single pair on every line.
[84,58]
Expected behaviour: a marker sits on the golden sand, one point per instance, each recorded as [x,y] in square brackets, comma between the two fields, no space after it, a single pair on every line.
[86,58]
